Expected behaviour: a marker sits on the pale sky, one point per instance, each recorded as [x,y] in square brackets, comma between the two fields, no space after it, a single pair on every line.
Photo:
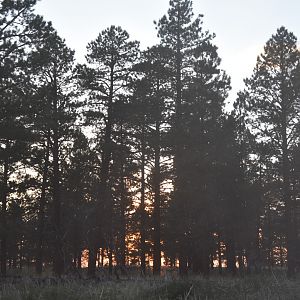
[242,27]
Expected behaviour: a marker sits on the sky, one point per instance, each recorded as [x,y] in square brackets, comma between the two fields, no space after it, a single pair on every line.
[242,27]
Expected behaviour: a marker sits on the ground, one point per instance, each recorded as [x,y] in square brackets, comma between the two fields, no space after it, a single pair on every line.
[268,285]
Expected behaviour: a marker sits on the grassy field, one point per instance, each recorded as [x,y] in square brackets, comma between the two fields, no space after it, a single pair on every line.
[264,286]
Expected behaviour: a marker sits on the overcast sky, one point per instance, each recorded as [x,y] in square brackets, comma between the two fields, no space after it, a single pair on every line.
[242,27]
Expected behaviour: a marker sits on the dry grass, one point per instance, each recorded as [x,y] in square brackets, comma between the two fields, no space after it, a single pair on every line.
[264,286]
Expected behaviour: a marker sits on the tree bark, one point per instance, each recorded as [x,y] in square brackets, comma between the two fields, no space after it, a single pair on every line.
[219,254]
[290,226]
[142,206]
[4,195]
[41,213]
[92,262]
[289,216]
[123,207]
[58,259]
[178,164]
[157,200]
[123,224]
[230,249]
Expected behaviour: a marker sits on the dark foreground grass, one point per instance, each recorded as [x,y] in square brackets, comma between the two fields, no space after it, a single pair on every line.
[264,286]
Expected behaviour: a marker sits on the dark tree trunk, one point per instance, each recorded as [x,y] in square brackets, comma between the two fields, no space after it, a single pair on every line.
[201,259]
[219,254]
[183,266]
[102,257]
[287,196]
[4,194]
[206,254]
[74,262]
[21,256]
[157,200]
[178,189]
[123,208]
[289,216]
[41,213]
[270,237]
[241,261]
[142,207]
[196,260]
[110,261]
[281,253]
[58,259]
[211,257]
[58,252]
[290,225]
[230,247]
[104,175]
[156,215]
[77,258]
[178,163]
[123,223]
[92,262]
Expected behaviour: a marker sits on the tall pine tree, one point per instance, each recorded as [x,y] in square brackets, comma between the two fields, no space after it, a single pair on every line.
[271,99]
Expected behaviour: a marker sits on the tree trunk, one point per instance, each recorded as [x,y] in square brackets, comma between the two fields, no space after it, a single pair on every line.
[142,207]
[58,259]
[291,232]
[123,208]
[206,254]
[219,254]
[58,252]
[92,262]
[289,216]
[41,213]
[270,237]
[241,261]
[123,224]
[230,247]
[183,267]
[104,175]
[157,179]
[102,257]
[281,253]
[110,260]
[4,195]
[178,163]
[287,197]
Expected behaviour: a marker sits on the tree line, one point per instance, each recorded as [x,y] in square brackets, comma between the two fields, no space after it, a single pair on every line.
[132,158]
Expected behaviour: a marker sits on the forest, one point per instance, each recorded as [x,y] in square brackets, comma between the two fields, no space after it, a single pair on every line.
[132,161]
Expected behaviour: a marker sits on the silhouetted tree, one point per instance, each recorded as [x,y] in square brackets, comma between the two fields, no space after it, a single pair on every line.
[271,98]
[110,58]
[52,68]
[155,69]
[199,92]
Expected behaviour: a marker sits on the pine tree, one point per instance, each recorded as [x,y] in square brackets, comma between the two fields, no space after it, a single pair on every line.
[122,175]
[155,69]
[199,91]
[79,181]
[140,124]
[271,99]
[52,64]
[110,58]
[19,28]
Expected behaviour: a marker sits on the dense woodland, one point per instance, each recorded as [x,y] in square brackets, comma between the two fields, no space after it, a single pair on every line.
[132,159]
